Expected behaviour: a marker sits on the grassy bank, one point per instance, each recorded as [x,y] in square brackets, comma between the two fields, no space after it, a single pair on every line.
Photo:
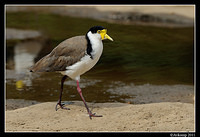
[141,54]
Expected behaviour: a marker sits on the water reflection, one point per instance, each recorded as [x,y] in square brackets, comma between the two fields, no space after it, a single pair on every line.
[24,55]
[19,85]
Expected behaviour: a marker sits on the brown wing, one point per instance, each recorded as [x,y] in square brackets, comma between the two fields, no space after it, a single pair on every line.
[65,54]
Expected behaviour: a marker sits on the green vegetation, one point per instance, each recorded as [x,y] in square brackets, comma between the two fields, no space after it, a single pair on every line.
[141,54]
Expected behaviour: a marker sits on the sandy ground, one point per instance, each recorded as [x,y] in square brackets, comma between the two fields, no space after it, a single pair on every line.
[42,117]
[183,10]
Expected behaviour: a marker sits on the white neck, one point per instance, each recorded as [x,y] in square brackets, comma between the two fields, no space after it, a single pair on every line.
[97,45]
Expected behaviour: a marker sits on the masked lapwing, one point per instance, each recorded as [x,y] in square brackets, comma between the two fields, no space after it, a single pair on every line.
[73,57]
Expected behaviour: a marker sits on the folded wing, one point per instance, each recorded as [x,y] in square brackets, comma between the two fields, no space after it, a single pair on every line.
[65,54]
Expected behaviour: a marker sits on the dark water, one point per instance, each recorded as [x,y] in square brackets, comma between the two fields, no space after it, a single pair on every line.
[22,84]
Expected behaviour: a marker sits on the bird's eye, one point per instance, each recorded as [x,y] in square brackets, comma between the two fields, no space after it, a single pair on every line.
[98,31]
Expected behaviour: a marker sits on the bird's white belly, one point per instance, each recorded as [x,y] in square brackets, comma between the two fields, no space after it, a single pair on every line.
[80,67]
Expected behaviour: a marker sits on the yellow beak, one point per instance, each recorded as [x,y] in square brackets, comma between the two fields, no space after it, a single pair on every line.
[108,37]
[104,35]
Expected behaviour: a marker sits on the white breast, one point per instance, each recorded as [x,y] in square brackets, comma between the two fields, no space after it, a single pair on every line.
[86,63]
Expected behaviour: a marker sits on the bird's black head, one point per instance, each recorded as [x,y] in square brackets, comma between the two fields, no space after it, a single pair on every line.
[96,28]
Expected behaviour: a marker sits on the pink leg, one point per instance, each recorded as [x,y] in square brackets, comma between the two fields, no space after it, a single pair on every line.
[89,112]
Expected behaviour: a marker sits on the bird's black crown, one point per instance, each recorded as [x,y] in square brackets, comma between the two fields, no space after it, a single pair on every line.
[96,28]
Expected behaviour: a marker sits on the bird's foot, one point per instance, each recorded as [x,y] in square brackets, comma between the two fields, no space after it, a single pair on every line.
[61,106]
[93,115]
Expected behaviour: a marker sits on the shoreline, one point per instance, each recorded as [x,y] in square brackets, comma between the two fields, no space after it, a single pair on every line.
[162,16]
[124,93]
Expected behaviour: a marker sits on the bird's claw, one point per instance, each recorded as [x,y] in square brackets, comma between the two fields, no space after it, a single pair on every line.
[94,115]
[61,106]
